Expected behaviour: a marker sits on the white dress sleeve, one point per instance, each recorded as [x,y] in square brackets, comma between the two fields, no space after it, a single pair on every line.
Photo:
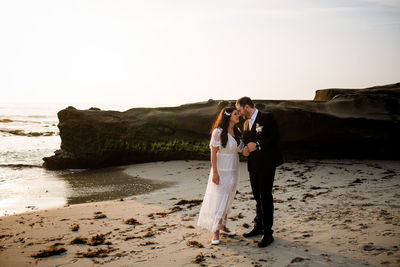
[216,138]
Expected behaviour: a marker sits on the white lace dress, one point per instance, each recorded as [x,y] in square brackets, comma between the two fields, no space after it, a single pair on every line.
[218,199]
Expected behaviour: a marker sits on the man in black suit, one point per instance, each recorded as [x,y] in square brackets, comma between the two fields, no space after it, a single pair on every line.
[261,135]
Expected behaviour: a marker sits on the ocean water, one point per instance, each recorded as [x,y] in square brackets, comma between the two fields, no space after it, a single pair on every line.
[27,134]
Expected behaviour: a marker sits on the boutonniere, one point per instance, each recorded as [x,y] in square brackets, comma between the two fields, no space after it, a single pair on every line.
[258,128]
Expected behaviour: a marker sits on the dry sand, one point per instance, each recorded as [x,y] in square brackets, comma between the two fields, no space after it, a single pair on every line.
[328,213]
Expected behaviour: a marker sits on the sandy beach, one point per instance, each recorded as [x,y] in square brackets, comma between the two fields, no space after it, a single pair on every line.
[327,213]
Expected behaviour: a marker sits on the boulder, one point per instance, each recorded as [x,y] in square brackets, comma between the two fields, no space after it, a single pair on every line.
[329,94]
[360,124]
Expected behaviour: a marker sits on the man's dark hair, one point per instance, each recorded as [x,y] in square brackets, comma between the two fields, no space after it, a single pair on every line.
[245,101]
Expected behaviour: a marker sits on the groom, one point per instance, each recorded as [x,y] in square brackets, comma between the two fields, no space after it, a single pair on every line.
[261,135]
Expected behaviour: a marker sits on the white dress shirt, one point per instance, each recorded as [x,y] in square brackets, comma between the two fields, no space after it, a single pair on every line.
[253,118]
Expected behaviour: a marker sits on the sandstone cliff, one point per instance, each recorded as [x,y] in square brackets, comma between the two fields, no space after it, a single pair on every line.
[337,124]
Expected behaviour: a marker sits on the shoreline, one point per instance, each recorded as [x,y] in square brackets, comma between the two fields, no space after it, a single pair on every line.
[40,189]
[327,213]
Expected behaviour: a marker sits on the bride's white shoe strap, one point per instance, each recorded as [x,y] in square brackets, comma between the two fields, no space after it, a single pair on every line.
[215,242]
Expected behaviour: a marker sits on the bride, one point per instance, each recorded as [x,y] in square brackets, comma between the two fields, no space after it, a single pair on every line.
[224,175]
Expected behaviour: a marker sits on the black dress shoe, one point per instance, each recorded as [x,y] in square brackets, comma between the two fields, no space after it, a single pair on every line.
[266,241]
[253,232]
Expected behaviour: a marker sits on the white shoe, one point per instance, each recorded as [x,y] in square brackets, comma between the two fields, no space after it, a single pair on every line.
[215,242]
[230,233]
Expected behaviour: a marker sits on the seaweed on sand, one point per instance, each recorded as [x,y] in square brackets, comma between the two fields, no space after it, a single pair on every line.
[51,251]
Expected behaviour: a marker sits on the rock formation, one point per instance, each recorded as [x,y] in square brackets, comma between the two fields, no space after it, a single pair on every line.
[339,123]
[328,94]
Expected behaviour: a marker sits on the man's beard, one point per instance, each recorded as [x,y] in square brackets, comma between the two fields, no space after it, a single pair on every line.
[247,115]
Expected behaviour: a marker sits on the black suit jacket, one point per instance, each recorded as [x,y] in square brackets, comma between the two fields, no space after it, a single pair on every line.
[268,138]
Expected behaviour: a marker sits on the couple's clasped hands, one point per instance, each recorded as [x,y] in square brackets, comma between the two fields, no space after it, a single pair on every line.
[249,148]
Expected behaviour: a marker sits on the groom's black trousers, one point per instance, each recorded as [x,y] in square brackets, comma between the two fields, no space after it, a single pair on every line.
[262,182]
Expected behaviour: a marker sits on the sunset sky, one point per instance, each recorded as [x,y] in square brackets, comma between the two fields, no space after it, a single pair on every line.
[171,52]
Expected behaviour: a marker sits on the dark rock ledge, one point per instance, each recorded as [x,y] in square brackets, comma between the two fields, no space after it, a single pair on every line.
[338,123]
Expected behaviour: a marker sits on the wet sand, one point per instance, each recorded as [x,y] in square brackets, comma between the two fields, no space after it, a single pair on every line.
[34,188]
[328,213]
[107,184]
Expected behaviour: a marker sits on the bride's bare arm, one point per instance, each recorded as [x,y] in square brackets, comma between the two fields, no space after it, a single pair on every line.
[215,175]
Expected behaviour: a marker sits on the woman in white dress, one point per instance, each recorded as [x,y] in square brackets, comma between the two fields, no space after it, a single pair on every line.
[224,175]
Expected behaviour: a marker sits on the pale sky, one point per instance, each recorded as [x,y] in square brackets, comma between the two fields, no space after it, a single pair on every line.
[172,52]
